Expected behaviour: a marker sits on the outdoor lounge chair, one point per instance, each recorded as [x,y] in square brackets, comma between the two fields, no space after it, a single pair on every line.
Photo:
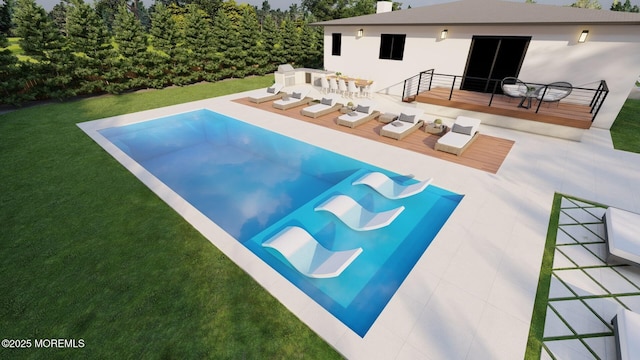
[626,329]
[388,188]
[621,234]
[355,216]
[463,133]
[328,104]
[364,112]
[555,92]
[269,94]
[308,256]
[292,99]
[408,121]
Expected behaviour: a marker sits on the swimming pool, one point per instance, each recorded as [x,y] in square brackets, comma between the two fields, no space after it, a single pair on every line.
[253,183]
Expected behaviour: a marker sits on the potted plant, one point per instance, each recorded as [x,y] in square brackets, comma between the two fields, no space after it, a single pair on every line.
[350,105]
[437,123]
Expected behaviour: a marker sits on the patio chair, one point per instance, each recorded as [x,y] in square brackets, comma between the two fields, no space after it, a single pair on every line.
[352,89]
[388,188]
[366,91]
[621,235]
[555,92]
[327,105]
[357,217]
[463,133]
[408,121]
[626,330]
[333,85]
[295,97]
[513,87]
[324,84]
[364,112]
[308,256]
[267,94]
[342,87]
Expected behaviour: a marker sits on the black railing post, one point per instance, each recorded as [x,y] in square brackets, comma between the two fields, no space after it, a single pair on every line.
[453,84]
[606,92]
[495,85]
[541,97]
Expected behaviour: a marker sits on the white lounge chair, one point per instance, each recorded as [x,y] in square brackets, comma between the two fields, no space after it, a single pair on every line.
[355,216]
[293,98]
[463,133]
[364,112]
[308,256]
[388,188]
[626,328]
[622,229]
[328,104]
[267,94]
[408,121]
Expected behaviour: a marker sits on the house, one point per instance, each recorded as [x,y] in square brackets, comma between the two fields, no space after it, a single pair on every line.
[491,39]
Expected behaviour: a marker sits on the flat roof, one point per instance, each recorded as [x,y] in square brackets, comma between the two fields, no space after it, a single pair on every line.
[491,12]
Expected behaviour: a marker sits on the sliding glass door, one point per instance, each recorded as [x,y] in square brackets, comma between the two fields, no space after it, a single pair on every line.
[492,58]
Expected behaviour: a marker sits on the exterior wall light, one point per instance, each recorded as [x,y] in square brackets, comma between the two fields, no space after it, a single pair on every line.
[360,33]
[443,34]
[583,36]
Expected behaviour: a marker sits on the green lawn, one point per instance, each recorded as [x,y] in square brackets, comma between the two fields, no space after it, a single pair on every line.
[625,131]
[88,252]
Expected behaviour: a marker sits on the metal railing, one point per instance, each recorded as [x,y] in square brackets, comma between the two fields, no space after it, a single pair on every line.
[428,79]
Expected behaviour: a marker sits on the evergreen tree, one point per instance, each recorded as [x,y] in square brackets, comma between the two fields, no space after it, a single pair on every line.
[273,44]
[166,38]
[59,17]
[587,4]
[253,43]
[228,47]
[36,31]
[292,47]
[6,11]
[88,36]
[626,7]
[10,74]
[132,47]
[51,75]
[199,36]
[312,41]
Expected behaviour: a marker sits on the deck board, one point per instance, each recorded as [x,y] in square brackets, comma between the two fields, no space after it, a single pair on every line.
[559,113]
[487,153]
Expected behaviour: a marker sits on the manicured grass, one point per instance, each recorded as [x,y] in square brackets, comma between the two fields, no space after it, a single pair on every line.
[536,331]
[90,253]
[625,131]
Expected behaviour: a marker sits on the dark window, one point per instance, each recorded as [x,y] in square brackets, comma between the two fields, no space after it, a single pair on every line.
[392,46]
[336,43]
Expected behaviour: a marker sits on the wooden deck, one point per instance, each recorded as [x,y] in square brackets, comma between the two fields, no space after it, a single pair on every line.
[487,153]
[562,113]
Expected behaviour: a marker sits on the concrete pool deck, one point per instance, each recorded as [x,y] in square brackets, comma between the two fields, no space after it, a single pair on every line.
[471,294]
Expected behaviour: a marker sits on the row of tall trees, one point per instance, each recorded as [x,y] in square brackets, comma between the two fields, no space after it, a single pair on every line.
[80,49]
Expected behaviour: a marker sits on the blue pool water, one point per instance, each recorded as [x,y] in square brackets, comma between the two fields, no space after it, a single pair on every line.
[254,183]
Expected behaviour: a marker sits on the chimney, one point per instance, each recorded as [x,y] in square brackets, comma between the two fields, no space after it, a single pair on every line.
[384,6]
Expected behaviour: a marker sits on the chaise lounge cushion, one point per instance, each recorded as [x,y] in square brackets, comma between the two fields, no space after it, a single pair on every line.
[622,229]
[464,130]
[407,118]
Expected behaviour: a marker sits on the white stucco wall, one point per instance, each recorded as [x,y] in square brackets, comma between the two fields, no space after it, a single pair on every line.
[611,53]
